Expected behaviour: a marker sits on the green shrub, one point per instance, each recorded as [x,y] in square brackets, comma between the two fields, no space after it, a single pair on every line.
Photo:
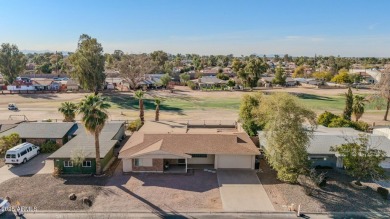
[360,125]
[191,85]
[339,122]
[49,147]
[135,125]
[383,192]
[326,118]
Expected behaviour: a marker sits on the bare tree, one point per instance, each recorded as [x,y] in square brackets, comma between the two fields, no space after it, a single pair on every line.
[384,89]
[133,68]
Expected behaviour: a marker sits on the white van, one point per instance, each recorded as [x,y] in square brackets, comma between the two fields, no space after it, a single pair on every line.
[21,153]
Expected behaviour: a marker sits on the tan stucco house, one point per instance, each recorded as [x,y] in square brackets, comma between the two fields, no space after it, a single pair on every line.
[180,146]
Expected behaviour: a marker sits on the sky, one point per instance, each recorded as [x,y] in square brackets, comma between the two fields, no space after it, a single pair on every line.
[241,27]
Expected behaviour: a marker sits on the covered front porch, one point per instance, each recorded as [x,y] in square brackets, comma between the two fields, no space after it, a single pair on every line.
[182,166]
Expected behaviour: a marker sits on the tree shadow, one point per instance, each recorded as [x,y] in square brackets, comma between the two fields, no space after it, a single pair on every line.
[44,96]
[313,97]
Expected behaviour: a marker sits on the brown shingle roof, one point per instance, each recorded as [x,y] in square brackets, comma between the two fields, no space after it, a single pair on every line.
[184,143]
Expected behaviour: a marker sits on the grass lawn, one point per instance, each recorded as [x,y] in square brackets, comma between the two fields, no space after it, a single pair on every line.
[183,103]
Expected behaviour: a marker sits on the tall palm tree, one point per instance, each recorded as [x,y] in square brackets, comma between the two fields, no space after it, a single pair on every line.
[68,110]
[139,94]
[157,101]
[358,107]
[94,115]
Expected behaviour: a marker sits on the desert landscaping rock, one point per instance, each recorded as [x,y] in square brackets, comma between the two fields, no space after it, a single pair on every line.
[72,196]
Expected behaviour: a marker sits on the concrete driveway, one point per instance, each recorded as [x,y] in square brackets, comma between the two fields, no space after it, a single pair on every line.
[37,165]
[241,190]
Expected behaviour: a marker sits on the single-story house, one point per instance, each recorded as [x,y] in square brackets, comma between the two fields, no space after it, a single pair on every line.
[40,132]
[84,143]
[324,138]
[46,84]
[72,85]
[209,81]
[8,124]
[176,147]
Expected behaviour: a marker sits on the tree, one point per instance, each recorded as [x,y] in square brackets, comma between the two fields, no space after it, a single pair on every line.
[93,109]
[160,57]
[361,159]
[286,135]
[139,94]
[299,72]
[88,62]
[77,157]
[342,78]
[323,75]
[157,101]
[384,90]
[250,122]
[222,76]
[254,68]
[184,77]
[358,107]
[134,67]
[280,76]
[165,79]
[117,55]
[231,83]
[12,62]
[348,105]
[8,141]
[68,110]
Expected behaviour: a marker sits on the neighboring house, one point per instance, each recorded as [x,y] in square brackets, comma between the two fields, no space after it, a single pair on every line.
[310,81]
[72,85]
[209,81]
[46,84]
[84,142]
[177,147]
[324,138]
[40,132]
[8,124]
[372,76]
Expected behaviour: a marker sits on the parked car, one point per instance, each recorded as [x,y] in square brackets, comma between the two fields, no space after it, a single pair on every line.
[12,106]
[4,205]
[21,153]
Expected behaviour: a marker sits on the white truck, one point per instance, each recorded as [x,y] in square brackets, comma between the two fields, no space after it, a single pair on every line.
[21,153]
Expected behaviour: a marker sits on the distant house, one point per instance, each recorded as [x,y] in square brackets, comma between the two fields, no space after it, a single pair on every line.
[324,138]
[209,81]
[84,142]
[310,81]
[46,84]
[41,132]
[371,76]
[72,85]
[176,147]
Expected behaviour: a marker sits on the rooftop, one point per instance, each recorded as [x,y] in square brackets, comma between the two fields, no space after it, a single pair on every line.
[41,129]
[85,141]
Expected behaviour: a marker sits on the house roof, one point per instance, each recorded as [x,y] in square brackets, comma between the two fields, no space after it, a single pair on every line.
[185,141]
[41,129]
[324,138]
[210,80]
[85,142]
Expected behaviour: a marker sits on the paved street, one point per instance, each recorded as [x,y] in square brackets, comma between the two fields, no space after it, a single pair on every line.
[241,190]
[37,165]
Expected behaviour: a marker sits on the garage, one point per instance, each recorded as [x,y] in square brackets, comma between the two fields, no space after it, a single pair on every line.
[386,163]
[234,161]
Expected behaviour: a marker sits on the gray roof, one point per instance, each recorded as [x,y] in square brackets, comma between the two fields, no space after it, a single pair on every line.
[210,80]
[41,129]
[324,138]
[85,142]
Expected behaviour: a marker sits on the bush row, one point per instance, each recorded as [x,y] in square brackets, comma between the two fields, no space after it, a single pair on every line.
[331,120]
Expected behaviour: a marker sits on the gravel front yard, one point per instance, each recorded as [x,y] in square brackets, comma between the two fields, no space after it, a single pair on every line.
[160,193]
[50,193]
[2,162]
[336,196]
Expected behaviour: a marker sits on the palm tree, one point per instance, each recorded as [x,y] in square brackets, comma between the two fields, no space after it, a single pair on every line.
[68,109]
[94,115]
[358,107]
[139,94]
[157,101]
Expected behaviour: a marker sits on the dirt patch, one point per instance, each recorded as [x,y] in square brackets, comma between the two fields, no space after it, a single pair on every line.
[46,192]
[336,196]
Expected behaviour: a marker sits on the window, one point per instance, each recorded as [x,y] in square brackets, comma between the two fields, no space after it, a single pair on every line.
[87,163]
[68,163]
[317,158]
[199,155]
[137,162]
[23,152]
